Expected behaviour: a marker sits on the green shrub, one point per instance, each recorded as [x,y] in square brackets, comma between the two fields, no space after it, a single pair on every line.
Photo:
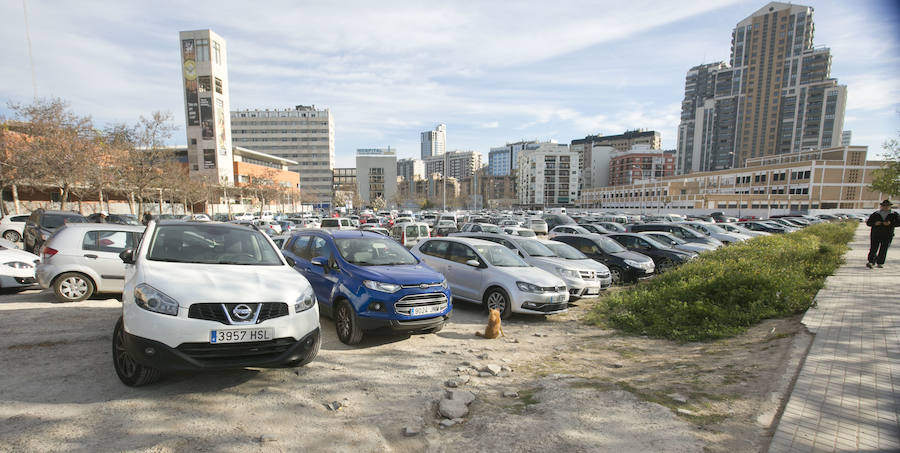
[723,292]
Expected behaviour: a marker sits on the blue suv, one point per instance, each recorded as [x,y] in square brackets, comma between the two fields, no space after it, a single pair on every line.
[366,281]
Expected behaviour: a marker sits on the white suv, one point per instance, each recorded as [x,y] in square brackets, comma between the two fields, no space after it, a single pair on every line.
[208,295]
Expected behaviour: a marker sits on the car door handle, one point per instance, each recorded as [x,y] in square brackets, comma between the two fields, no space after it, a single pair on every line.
[90,255]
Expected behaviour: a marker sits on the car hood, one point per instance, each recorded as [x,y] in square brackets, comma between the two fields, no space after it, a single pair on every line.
[532,275]
[188,283]
[695,247]
[546,262]
[633,256]
[412,274]
[588,264]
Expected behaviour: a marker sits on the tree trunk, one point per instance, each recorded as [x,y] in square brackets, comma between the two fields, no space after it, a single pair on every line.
[100,195]
[15,193]
[160,201]
[131,203]
[63,197]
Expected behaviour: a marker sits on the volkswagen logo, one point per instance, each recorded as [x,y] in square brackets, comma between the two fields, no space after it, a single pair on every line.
[242,312]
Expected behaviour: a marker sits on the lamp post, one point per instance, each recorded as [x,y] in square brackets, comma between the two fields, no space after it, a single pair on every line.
[633,166]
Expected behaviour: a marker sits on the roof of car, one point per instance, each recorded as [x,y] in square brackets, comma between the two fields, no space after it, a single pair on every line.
[462,239]
[104,226]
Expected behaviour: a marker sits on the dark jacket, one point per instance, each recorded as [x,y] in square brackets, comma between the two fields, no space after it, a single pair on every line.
[883,231]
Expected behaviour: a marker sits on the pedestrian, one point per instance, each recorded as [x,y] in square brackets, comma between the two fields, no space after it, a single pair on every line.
[883,221]
[147,218]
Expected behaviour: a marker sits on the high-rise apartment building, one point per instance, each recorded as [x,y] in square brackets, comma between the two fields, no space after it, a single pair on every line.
[304,134]
[434,143]
[775,96]
[502,160]
[205,80]
[376,174]
[410,169]
[640,163]
[458,164]
[548,175]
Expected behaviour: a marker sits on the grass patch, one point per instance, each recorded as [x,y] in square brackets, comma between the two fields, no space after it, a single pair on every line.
[723,292]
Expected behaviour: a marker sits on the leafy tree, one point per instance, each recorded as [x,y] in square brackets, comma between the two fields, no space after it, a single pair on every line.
[887,178]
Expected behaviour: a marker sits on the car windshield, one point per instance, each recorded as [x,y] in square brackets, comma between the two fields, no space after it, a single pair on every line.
[691,233]
[500,256]
[654,242]
[667,239]
[714,228]
[368,251]
[58,220]
[566,251]
[534,248]
[525,233]
[609,246]
[487,228]
[211,244]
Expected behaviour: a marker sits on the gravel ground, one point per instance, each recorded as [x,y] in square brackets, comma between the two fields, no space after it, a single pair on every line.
[564,386]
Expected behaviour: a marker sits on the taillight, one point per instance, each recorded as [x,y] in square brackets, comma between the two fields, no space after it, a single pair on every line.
[47,252]
[403,237]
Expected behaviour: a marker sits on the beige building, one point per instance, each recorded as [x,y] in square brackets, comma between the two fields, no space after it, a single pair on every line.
[831,178]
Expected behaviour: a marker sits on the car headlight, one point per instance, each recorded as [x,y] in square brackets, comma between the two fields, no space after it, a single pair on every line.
[570,273]
[381,286]
[640,264]
[306,300]
[528,287]
[152,299]
[444,284]
[19,265]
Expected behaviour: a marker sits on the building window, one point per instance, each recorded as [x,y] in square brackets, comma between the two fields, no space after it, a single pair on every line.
[202,46]
[217,52]
[218,85]
[203,84]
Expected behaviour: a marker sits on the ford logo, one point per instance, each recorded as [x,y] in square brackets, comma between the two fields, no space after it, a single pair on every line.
[423,285]
[242,312]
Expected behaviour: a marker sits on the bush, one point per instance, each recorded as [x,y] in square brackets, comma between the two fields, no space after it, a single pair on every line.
[723,292]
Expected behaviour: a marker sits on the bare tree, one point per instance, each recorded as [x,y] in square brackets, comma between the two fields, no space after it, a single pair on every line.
[145,148]
[14,162]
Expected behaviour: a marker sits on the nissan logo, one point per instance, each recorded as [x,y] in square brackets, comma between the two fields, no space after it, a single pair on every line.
[242,312]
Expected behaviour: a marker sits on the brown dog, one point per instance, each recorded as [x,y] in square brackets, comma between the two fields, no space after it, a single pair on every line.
[493,329]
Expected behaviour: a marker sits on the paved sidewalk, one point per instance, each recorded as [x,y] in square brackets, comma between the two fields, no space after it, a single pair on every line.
[847,396]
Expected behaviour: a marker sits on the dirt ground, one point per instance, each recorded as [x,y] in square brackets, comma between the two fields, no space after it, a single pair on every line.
[572,387]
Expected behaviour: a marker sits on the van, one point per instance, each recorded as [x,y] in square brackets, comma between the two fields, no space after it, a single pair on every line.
[409,234]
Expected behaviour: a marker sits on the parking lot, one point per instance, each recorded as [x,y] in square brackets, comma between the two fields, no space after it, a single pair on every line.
[563,383]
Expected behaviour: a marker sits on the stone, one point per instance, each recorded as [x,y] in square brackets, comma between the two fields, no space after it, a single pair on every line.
[459,420]
[461,395]
[461,369]
[453,408]
[334,406]
[483,356]
[505,360]
[266,438]
[411,431]
[466,363]
[506,369]
[678,398]
[445,423]
[485,374]
[614,365]
[686,412]
[492,368]
[509,394]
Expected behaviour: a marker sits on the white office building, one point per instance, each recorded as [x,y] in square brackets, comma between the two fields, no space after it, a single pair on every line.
[304,134]
[434,143]
[598,175]
[376,174]
[410,169]
[548,175]
[502,160]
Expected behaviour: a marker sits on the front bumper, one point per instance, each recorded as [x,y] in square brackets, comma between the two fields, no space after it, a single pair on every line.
[399,325]
[544,303]
[205,356]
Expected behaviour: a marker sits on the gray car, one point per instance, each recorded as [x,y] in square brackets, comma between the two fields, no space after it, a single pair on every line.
[82,259]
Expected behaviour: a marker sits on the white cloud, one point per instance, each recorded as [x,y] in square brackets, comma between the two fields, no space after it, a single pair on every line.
[490,125]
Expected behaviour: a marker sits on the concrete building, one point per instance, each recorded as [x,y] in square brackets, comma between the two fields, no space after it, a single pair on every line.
[845,138]
[458,164]
[775,96]
[640,163]
[598,174]
[503,160]
[410,169]
[814,180]
[206,103]
[343,178]
[304,134]
[548,175]
[620,142]
[376,174]
[434,143]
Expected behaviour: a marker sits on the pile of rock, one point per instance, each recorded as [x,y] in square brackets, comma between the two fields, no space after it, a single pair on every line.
[455,406]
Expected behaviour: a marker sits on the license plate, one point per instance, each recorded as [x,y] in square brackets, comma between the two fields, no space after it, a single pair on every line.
[239,335]
[558,299]
[593,291]
[427,310]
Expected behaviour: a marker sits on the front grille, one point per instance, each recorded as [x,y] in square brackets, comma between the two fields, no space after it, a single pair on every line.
[553,289]
[403,305]
[212,353]
[546,308]
[588,275]
[222,312]
[422,285]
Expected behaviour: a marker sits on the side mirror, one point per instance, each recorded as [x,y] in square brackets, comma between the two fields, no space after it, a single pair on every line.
[290,261]
[320,261]
[127,256]
[473,263]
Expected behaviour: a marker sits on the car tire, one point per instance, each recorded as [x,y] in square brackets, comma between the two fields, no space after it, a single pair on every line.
[497,298]
[617,275]
[73,287]
[310,355]
[436,329]
[129,371]
[12,236]
[347,324]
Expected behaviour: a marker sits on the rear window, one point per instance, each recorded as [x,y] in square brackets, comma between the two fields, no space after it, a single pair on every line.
[58,220]
[108,241]
[330,223]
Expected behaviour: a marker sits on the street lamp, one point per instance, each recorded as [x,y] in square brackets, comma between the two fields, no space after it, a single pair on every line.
[643,183]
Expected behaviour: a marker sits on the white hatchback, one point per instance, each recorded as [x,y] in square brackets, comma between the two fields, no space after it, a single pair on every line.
[206,296]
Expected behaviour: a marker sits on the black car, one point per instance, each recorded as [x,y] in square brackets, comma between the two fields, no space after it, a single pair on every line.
[768,227]
[624,266]
[41,224]
[113,218]
[594,228]
[555,220]
[680,231]
[663,257]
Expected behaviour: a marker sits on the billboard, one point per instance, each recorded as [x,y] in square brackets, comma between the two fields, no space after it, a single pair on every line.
[220,124]
[206,119]
[189,71]
[209,159]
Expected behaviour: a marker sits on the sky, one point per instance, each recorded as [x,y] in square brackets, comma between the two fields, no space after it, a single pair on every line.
[493,71]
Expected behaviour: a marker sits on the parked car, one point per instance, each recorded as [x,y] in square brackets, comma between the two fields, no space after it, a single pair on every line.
[41,224]
[787,223]
[379,230]
[244,216]
[287,226]
[593,228]
[669,240]
[16,266]
[554,220]
[444,230]
[612,227]
[410,233]
[717,232]
[336,223]
[280,239]
[483,272]
[624,266]
[567,229]
[682,232]
[761,225]
[519,231]
[566,252]
[366,282]
[584,281]
[663,256]
[473,227]
[112,218]
[251,309]
[12,226]
[735,228]
[82,259]
[266,224]
[305,222]
[539,226]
